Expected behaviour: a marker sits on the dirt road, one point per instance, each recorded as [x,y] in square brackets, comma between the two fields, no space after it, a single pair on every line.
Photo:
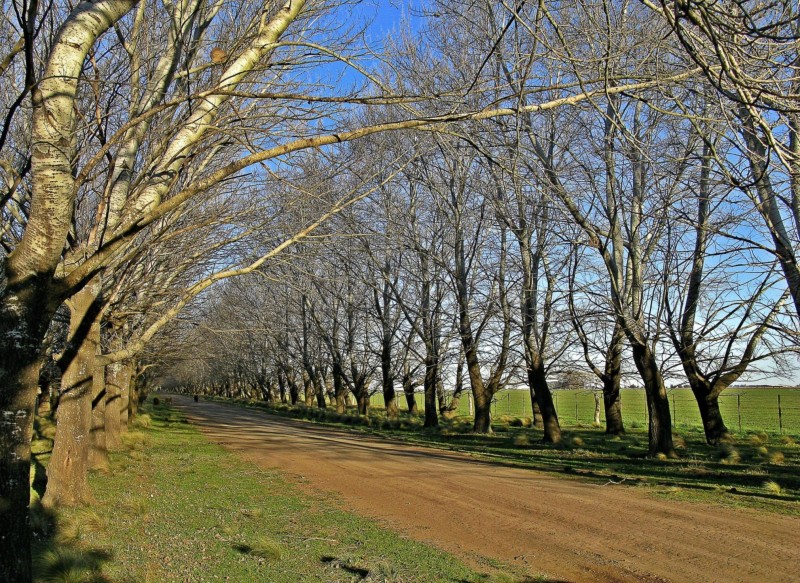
[566,529]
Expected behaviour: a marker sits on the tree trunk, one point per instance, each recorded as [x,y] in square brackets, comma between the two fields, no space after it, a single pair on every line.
[113,410]
[294,392]
[611,377]
[282,387]
[308,390]
[67,469]
[708,402]
[98,446]
[338,388]
[483,412]
[19,359]
[319,391]
[125,379]
[389,394]
[363,402]
[613,406]
[134,397]
[536,412]
[660,420]
[409,390]
[429,385]
[547,409]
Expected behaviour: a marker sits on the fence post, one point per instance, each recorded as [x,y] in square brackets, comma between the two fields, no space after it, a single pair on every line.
[508,403]
[780,415]
[739,410]
[576,407]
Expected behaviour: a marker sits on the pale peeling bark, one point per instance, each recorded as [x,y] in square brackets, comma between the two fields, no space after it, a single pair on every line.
[52,134]
[27,301]
[197,126]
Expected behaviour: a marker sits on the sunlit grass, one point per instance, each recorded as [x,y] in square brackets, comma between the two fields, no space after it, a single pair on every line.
[176,507]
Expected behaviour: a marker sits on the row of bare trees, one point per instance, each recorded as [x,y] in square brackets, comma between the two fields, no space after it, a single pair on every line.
[587,173]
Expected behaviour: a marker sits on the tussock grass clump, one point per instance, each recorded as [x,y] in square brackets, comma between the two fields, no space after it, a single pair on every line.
[788,440]
[143,420]
[773,487]
[577,441]
[759,438]
[776,457]
[74,529]
[132,507]
[678,441]
[265,548]
[729,455]
[67,565]
[522,440]
[135,440]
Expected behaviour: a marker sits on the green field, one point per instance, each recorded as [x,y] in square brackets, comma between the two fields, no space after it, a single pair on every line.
[745,409]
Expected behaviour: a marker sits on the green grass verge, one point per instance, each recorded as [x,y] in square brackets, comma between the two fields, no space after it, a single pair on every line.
[756,470]
[175,507]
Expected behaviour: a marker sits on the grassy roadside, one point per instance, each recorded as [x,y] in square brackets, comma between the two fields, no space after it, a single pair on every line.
[755,470]
[174,507]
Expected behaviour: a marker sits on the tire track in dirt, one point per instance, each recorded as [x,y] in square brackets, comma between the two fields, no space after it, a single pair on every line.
[564,528]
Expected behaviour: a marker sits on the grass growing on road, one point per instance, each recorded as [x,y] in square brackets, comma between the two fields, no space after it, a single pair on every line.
[175,507]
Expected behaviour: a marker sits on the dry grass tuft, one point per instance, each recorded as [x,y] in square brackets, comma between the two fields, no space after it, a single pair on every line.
[729,455]
[65,565]
[776,457]
[265,548]
[788,440]
[142,420]
[522,440]
[135,440]
[773,487]
[577,441]
[132,506]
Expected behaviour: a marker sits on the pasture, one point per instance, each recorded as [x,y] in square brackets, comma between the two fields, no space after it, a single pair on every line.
[773,409]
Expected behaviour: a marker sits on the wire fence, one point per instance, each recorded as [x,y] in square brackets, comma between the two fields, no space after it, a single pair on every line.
[748,409]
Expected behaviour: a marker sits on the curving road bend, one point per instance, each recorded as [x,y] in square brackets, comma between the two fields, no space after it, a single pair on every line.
[563,528]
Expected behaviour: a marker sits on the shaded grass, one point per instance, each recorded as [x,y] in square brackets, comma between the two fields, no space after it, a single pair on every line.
[175,507]
[734,474]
